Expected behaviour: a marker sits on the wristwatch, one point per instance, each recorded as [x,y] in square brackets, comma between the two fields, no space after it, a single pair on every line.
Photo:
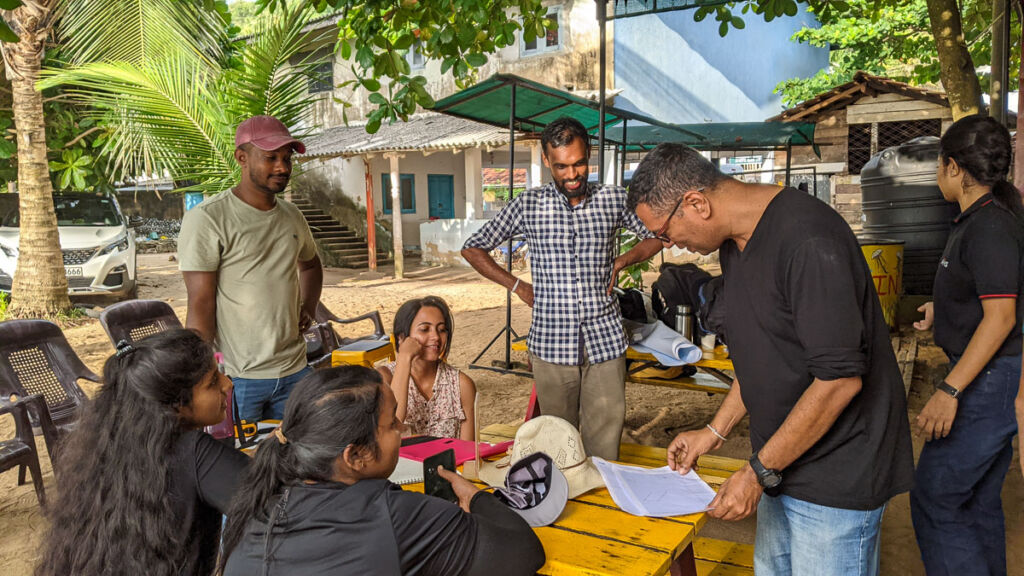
[948,389]
[769,479]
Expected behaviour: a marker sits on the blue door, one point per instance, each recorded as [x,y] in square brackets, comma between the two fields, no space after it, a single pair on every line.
[441,195]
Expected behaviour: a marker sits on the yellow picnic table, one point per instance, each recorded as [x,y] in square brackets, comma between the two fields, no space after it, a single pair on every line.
[714,363]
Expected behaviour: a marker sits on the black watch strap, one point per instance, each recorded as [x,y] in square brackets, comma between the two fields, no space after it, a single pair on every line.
[948,389]
[768,479]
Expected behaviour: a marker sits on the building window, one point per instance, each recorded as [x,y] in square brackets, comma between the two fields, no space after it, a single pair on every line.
[415,56]
[895,133]
[859,149]
[320,76]
[407,193]
[550,42]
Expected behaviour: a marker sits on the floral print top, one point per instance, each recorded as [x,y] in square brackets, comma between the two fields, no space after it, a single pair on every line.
[441,416]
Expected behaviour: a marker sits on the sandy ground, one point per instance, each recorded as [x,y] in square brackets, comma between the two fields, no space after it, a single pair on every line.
[479,309]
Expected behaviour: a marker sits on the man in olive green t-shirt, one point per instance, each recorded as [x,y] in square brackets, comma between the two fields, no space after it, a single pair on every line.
[252,272]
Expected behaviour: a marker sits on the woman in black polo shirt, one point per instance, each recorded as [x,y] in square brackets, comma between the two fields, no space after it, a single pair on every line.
[317,500]
[969,421]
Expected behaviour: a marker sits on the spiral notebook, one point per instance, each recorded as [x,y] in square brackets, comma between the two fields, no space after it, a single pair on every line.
[407,472]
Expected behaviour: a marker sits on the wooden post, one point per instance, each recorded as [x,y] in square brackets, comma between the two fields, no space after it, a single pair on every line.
[396,216]
[371,218]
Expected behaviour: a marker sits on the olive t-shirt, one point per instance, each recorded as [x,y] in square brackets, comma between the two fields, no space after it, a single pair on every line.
[802,306]
[255,254]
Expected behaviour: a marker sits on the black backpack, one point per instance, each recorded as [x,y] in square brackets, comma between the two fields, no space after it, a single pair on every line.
[689,285]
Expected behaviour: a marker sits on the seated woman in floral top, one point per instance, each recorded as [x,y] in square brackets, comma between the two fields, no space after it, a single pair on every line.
[434,397]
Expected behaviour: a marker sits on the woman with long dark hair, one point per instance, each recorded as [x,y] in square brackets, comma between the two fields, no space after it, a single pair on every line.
[968,422]
[142,488]
[317,500]
[434,397]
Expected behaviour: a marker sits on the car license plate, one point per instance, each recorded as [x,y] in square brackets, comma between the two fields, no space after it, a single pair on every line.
[75,271]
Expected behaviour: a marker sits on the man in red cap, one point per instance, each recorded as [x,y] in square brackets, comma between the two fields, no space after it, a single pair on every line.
[252,272]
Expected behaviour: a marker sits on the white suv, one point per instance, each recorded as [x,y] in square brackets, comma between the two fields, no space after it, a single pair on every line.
[98,246]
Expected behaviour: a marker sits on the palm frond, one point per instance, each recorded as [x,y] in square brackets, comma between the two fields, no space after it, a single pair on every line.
[160,116]
[140,31]
[276,65]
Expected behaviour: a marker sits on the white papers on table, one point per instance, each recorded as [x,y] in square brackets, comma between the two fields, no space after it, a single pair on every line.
[655,491]
[667,345]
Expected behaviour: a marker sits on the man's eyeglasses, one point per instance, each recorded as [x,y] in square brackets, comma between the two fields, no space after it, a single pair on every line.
[660,234]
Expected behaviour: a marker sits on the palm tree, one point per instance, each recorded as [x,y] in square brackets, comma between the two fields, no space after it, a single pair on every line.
[40,287]
[165,80]
[178,113]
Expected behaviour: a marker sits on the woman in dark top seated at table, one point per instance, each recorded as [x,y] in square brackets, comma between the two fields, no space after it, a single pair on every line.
[320,483]
[142,488]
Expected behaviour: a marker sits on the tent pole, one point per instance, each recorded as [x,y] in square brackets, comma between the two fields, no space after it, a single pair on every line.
[511,196]
[625,148]
[789,160]
[602,13]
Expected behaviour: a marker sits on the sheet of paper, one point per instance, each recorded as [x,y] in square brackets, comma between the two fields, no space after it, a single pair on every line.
[655,491]
[407,472]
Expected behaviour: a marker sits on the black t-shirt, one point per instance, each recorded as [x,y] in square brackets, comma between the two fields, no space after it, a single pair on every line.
[801,305]
[374,527]
[204,477]
[982,260]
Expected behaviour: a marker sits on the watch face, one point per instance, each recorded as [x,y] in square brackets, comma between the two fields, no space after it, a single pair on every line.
[771,480]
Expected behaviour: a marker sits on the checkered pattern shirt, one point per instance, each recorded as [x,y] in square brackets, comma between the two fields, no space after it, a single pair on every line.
[571,254]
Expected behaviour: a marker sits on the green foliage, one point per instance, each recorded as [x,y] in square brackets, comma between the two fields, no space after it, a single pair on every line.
[893,39]
[6,34]
[67,132]
[5,302]
[177,112]
[725,13]
[142,31]
[243,15]
[633,274]
[376,35]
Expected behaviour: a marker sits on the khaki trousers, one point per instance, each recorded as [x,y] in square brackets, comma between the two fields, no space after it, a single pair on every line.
[591,397]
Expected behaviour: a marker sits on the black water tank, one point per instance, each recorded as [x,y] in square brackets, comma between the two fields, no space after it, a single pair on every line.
[901,200]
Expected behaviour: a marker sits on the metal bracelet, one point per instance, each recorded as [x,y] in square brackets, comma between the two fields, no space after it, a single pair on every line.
[715,432]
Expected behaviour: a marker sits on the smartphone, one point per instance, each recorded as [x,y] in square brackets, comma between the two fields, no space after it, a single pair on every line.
[433,484]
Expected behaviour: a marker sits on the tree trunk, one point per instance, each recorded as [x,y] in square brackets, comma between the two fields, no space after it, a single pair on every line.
[40,286]
[1018,152]
[956,69]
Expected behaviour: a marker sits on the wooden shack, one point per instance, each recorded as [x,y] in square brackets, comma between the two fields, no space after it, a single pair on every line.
[858,119]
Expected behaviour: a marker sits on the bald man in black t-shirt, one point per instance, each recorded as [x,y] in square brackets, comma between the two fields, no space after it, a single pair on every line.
[828,420]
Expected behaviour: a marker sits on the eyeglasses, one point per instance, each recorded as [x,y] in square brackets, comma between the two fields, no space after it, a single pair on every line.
[660,234]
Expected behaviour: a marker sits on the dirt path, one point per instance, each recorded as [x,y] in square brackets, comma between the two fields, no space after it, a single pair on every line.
[479,310]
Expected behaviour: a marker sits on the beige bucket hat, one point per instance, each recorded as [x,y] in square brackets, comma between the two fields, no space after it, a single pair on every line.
[561,442]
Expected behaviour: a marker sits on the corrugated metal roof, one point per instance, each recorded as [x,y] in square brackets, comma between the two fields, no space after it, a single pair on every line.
[424,131]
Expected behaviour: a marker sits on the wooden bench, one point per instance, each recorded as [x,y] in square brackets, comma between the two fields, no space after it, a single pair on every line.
[713,557]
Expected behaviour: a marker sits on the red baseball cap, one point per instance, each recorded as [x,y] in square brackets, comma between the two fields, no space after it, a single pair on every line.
[266,133]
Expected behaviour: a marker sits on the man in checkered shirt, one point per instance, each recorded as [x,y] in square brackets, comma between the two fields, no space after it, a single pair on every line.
[576,342]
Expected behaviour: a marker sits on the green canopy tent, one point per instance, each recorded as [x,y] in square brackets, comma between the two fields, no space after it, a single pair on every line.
[719,136]
[521,104]
[510,101]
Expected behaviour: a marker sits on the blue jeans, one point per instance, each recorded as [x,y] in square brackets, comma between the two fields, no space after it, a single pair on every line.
[803,539]
[955,504]
[263,399]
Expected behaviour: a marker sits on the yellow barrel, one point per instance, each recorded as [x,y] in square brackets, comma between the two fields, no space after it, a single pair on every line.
[885,260]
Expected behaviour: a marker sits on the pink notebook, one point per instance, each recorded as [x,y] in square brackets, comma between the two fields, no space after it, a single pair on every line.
[463,449]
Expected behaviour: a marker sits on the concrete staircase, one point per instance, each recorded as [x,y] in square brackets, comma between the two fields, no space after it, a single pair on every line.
[350,249]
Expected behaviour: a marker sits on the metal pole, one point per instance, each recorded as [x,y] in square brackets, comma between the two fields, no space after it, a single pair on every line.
[602,13]
[511,196]
[625,150]
[789,160]
[1000,60]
